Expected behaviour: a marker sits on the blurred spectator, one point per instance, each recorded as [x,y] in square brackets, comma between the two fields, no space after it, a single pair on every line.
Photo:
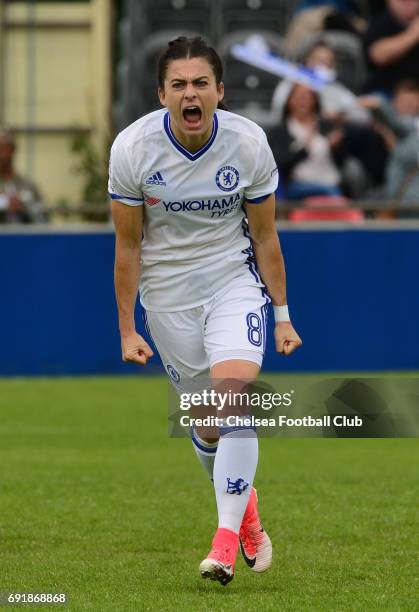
[406,100]
[392,46]
[309,151]
[20,201]
[398,122]
[395,118]
[336,99]
[312,16]
[341,106]
[321,55]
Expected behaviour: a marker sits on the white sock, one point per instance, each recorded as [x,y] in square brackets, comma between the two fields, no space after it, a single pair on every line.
[234,471]
[205,451]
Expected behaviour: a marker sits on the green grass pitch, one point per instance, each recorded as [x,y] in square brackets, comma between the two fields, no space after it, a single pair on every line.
[96,501]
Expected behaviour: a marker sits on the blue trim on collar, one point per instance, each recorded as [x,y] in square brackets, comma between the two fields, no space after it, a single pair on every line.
[181,148]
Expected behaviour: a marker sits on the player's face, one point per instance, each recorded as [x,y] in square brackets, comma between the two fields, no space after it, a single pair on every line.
[191,95]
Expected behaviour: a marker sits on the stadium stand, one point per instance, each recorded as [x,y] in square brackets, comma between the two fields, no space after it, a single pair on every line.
[270,15]
[222,22]
[148,25]
[192,15]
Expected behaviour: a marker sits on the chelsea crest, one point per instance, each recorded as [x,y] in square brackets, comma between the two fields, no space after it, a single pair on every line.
[227,178]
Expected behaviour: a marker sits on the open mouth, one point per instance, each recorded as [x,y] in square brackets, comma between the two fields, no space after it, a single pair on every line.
[192,116]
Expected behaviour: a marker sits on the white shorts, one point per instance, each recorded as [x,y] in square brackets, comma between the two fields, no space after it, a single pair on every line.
[232,325]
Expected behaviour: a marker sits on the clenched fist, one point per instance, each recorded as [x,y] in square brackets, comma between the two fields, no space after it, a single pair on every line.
[135,349]
[286,338]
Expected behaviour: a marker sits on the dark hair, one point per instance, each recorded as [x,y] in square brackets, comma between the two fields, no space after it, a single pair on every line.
[183,47]
[409,85]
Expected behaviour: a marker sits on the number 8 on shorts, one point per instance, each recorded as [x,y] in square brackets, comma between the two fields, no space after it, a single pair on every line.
[254,329]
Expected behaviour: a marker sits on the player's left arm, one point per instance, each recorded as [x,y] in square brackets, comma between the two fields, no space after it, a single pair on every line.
[267,248]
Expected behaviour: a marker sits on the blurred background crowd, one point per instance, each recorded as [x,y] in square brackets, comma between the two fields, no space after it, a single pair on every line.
[74,73]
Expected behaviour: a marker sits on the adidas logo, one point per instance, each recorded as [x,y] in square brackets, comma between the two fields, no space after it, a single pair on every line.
[156,179]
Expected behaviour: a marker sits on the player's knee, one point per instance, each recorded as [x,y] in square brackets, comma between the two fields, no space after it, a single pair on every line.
[209,435]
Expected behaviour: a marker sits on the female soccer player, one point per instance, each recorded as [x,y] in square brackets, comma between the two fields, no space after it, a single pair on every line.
[193,188]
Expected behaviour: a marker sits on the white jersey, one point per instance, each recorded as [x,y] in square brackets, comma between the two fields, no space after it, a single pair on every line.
[195,238]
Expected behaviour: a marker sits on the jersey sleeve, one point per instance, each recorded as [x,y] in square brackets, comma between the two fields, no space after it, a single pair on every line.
[123,185]
[265,179]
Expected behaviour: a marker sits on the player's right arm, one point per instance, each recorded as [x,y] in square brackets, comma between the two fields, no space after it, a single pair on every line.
[128,221]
